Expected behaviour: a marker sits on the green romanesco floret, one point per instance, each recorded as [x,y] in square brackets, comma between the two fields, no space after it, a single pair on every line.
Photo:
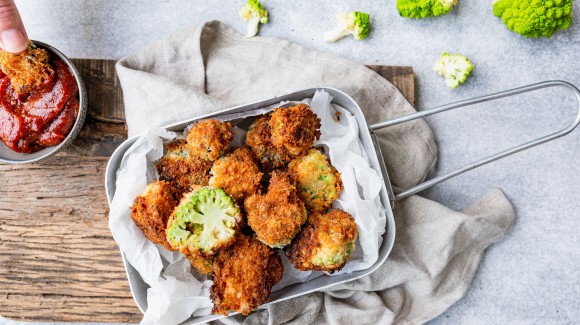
[353,23]
[254,13]
[424,8]
[205,220]
[454,67]
[534,18]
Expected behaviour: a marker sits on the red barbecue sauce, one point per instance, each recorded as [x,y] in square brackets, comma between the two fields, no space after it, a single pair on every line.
[41,118]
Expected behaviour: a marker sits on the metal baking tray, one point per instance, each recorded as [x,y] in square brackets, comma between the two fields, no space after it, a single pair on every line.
[370,144]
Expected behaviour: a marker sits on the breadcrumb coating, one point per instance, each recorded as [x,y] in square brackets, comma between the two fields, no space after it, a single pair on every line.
[325,243]
[237,174]
[294,129]
[259,138]
[209,139]
[318,182]
[182,170]
[277,216]
[151,210]
[27,70]
[244,276]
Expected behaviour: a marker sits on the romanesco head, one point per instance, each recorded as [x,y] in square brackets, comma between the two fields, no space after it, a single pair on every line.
[204,221]
[254,13]
[424,8]
[534,18]
[454,67]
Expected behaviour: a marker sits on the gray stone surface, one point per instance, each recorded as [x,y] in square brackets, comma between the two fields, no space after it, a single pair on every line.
[530,276]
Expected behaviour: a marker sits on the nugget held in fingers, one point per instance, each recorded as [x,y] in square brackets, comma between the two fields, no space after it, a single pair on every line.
[182,170]
[237,174]
[209,139]
[277,216]
[244,276]
[151,210]
[318,182]
[325,243]
[294,129]
[259,138]
[204,222]
[27,70]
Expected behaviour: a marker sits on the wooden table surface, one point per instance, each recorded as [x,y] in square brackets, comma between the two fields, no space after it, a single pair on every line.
[58,260]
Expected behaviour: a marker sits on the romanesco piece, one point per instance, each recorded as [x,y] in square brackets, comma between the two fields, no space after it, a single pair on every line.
[354,23]
[254,13]
[454,67]
[534,18]
[204,221]
[424,8]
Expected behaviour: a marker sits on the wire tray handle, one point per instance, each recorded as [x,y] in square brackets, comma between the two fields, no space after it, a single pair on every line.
[494,157]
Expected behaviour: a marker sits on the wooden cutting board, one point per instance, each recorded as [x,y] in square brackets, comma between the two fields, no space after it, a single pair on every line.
[58,260]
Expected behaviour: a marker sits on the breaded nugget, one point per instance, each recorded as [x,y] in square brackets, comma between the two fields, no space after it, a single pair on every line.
[237,174]
[318,182]
[205,222]
[277,216]
[244,276]
[203,264]
[27,70]
[151,210]
[294,129]
[259,138]
[181,170]
[325,243]
[209,139]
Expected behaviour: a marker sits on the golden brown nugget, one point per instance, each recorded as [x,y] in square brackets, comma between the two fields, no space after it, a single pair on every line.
[318,182]
[277,216]
[151,210]
[182,170]
[209,139]
[27,70]
[244,276]
[259,139]
[295,129]
[237,174]
[325,243]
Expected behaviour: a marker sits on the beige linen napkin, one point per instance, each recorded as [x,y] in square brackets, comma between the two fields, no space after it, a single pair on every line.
[212,67]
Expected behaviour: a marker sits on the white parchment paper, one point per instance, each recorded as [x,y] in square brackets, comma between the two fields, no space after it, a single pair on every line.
[176,291]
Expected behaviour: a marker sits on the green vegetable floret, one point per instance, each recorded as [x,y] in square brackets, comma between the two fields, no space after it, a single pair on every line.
[205,221]
[424,8]
[534,18]
[354,23]
[454,67]
[254,13]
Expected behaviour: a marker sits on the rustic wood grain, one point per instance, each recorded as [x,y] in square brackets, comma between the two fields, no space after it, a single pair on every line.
[58,260]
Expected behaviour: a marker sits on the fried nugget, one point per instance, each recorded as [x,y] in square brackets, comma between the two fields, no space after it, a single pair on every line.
[151,210]
[325,243]
[182,170]
[209,139]
[259,139]
[294,129]
[244,276]
[319,183]
[27,70]
[237,174]
[203,264]
[277,216]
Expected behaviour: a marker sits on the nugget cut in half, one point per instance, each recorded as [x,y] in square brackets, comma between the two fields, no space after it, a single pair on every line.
[182,170]
[295,129]
[237,174]
[151,210]
[27,70]
[259,138]
[277,216]
[244,276]
[325,243]
[318,182]
[209,139]
[204,222]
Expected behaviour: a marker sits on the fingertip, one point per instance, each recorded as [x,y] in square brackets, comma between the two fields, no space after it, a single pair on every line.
[13,40]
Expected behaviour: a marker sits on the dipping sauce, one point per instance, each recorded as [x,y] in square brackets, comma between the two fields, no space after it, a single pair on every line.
[42,116]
